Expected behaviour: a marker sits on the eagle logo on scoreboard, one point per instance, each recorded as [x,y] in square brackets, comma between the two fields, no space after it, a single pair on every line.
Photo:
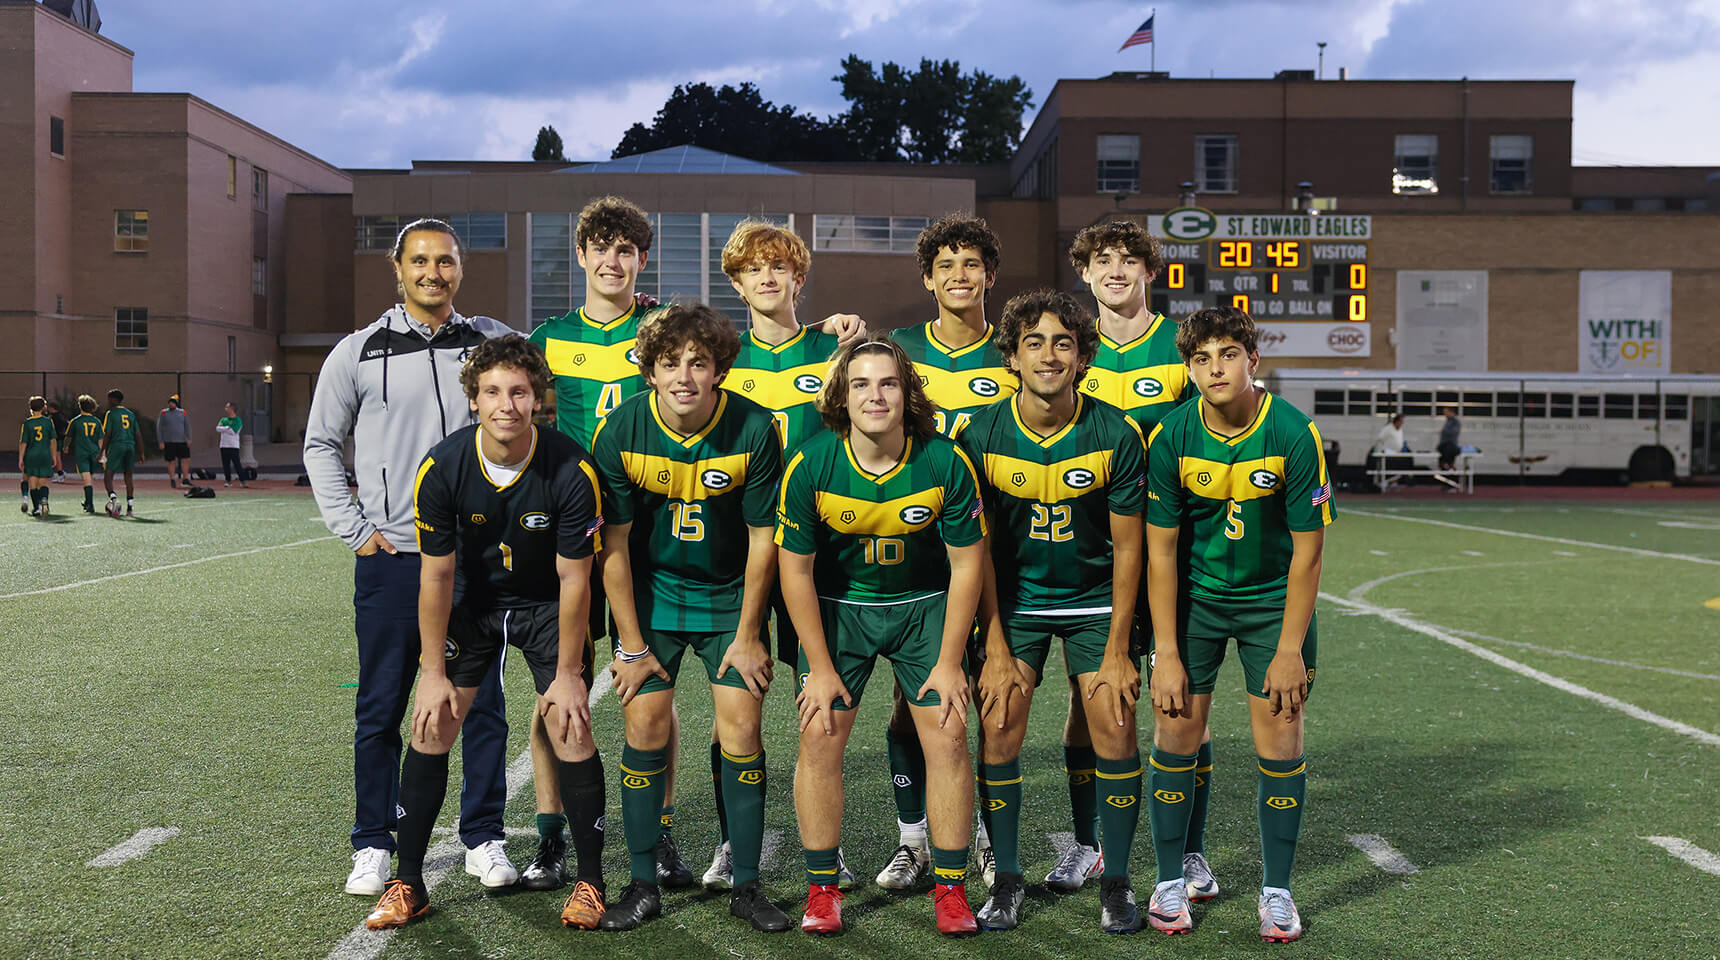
[1190,223]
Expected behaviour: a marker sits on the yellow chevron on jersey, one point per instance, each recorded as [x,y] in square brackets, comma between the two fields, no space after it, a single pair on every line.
[1139,387]
[1049,482]
[1243,480]
[891,518]
[687,482]
[962,389]
[590,361]
[779,389]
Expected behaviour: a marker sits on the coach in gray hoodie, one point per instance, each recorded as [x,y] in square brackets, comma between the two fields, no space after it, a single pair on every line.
[395,387]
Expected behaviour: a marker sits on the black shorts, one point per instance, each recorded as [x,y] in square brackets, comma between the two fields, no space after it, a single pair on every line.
[475,640]
[175,451]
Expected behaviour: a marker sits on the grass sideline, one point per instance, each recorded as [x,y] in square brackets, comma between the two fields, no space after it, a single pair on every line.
[211,695]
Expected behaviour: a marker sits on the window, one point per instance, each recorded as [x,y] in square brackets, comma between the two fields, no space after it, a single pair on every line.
[260,276]
[1677,406]
[1330,402]
[1560,405]
[1415,164]
[1619,406]
[232,176]
[131,231]
[1511,156]
[477,231]
[1119,163]
[1215,163]
[259,189]
[846,234]
[131,328]
[232,355]
[57,136]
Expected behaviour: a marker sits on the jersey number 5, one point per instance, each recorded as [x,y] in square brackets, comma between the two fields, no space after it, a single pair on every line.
[1233,521]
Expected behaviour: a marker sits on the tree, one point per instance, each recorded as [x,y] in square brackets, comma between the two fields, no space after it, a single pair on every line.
[548,146]
[735,120]
[933,115]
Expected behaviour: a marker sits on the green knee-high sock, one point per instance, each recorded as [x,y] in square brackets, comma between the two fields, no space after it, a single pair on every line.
[35,498]
[1281,792]
[1119,810]
[666,820]
[908,774]
[549,824]
[643,773]
[1196,842]
[1171,781]
[743,795]
[820,866]
[1080,764]
[717,788]
[949,867]
[89,497]
[1000,809]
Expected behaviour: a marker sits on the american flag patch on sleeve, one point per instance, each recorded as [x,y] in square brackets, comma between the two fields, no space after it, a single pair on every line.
[1322,493]
[978,508]
[596,525]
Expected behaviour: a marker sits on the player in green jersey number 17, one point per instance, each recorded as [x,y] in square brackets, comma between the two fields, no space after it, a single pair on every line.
[1242,476]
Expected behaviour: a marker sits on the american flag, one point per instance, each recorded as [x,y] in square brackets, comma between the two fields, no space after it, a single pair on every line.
[1322,493]
[1142,34]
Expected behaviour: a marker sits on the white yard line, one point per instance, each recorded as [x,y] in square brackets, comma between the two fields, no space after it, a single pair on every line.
[1536,536]
[1444,635]
[1688,852]
[362,943]
[1383,854]
[1360,592]
[165,566]
[1555,651]
[136,846]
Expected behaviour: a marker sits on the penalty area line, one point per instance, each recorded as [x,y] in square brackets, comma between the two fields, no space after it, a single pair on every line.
[1688,852]
[1383,854]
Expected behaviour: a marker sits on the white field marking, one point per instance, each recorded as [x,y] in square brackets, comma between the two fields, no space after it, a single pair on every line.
[768,849]
[1555,651]
[1536,536]
[1379,553]
[208,506]
[1688,852]
[1563,553]
[165,566]
[507,831]
[181,546]
[363,943]
[86,546]
[1408,622]
[136,846]
[1472,553]
[1061,842]
[1689,525]
[1359,593]
[1384,855]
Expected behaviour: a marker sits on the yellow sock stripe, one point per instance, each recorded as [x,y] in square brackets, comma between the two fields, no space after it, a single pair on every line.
[1118,776]
[998,783]
[1089,771]
[749,758]
[955,873]
[1155,762]
[1205,769]
[1300,769]
[830,872]
[643,773]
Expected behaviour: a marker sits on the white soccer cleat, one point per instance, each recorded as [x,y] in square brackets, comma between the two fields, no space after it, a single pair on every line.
[845,878]
[488,861]
[1197,875]
[369,872]
[1279,921]
[1078,863]
[721,874]
[907,865]
[1168,912]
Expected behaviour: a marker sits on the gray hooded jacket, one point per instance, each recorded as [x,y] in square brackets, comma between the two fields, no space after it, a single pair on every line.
[396,389]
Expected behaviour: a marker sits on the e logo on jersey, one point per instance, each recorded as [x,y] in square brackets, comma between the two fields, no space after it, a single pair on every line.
[1264,479]
[915,514]
[1080,478]
[716,479]
[983,386]
[478,519]
[808,383]
[450,649]
[633,356]
[1148,387]
[535,521]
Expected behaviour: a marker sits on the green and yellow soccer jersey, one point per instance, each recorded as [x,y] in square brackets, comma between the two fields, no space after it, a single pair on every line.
[961,381]
[85,432]
[1237,499]
[1051,500]
[595,367]
[879,539]
[1145,378]
[690,500]
[38,437]
[785,379]
[119,426]
[506,535]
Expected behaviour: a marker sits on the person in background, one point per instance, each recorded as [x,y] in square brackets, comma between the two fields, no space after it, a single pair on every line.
[173,436]
[1387,442]
[1448,446]
[228,427]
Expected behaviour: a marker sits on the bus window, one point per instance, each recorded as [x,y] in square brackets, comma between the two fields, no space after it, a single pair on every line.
[1443,399]
[1647,406]
[1561,406]
[1329,402]
[1677,406]
[1588,406]
[1361,403]
[1619,406]
[1417,403]
[1385,403]
[1506,405]
[1534,405]
[1477,404]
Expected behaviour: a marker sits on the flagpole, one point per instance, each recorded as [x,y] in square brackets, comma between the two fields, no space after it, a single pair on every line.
[1154,17]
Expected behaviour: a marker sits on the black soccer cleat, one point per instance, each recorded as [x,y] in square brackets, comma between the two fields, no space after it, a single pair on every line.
[672,871]
[548,869]
[640,902]
[749,903]
[1117,910]
[1002,909]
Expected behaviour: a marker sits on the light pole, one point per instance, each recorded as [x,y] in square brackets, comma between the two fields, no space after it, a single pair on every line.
[1321,72]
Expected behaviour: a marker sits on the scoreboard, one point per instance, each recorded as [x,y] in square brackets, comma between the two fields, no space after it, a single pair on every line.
[1299,275]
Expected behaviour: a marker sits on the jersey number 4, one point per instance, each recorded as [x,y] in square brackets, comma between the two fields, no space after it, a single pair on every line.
[608,399]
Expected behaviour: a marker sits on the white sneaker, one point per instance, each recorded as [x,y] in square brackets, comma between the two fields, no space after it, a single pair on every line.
[488,861]
[907,865]
[845,878]
[369,872]
[1197,875]
[1279,921]
[987,857]
[721,875]
[1073,869]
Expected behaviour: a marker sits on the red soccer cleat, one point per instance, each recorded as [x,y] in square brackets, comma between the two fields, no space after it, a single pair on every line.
[950,906]
[823,910]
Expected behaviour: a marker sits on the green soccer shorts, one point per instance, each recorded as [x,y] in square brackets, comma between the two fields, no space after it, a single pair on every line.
[87,464]
[39,464]
[910,635]
[1205,628]
[121,459]
[670,646]
[1083,641]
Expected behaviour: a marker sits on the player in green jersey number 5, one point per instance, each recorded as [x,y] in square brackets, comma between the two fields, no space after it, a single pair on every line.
[1237,483]
[1061,474]
[38,457]
[122,449]
[690,472]
[882,535]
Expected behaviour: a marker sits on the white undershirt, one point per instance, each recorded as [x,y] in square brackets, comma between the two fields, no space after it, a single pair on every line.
[499,473]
